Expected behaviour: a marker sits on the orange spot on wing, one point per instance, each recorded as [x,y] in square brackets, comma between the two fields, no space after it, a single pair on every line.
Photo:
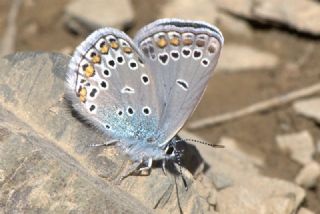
[104,49]
[89,71]
[200,43]
[187,41]
[211,49]
[96,59]
[114,45]
[127,50]
[83,94]
[162,42]
[174,41]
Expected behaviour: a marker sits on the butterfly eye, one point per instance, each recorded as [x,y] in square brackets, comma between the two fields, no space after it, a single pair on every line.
[169,150]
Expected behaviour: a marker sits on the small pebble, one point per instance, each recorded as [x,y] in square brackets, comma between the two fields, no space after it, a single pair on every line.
[299,146]
[308,175]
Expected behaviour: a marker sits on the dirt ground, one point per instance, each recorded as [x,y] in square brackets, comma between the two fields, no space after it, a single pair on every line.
[41,27]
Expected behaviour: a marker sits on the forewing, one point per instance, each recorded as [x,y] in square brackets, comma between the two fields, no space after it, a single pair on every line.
[182,56]
[109,84]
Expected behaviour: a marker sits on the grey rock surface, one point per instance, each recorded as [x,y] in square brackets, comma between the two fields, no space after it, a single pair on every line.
[302,15]
[303,210]
[234,25]
[242,188]
[300,146]
[245,58]
[308,175]
[46,165]
[84,16]
[204,10]
[308,108]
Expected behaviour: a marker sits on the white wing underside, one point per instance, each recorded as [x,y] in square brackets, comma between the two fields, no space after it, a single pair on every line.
[146,89]
[182,79]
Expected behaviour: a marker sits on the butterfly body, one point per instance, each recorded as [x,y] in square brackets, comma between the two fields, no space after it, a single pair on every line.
[141,92]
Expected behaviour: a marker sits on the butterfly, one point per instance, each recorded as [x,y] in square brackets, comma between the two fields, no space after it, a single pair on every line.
[140,92]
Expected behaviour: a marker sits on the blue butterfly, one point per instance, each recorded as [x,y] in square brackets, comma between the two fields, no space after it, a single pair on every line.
[140,93]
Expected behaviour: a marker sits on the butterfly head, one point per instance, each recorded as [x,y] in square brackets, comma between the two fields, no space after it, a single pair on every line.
[172,151]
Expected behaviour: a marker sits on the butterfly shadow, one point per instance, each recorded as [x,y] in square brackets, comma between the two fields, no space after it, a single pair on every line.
[191,160]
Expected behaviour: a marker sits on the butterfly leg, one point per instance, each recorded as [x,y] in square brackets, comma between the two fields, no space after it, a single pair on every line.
[164,167]
[108,143]
[133,169]
[148,167]
[137,168]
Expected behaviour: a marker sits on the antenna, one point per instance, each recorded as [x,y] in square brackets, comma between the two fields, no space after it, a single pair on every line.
[199,141]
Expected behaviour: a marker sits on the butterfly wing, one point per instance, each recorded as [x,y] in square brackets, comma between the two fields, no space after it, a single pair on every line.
[182,56]
[111,87]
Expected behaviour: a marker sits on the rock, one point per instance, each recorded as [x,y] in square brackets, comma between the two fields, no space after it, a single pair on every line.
[234,25]
[297,14]
[299,145]
[318,147]
[300,15]
[259,194]
[30,29]
[232,146]
[244,200]
[204,10]
[309,175]
[42,156]
[303,210]
[192,10]
[308,108]
[245,58]
[66,50]
[83,16]
[46,165]
[248,191]
[238,7]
